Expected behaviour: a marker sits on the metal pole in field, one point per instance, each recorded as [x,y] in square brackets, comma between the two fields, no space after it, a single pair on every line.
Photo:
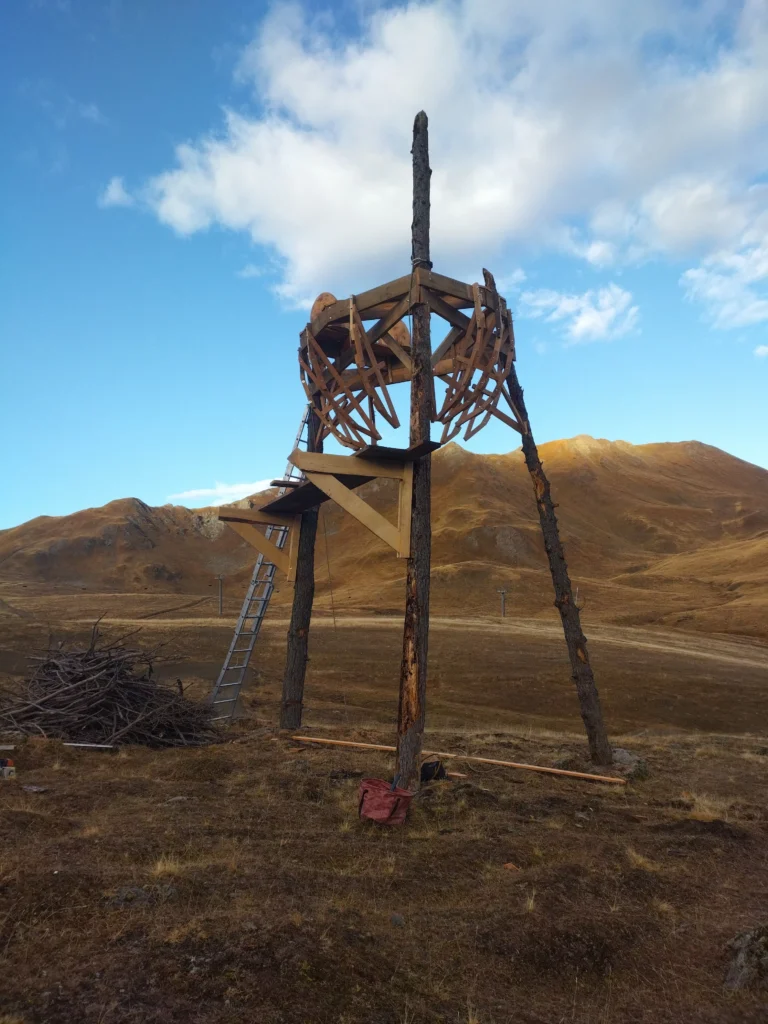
[221,594]
[503,602]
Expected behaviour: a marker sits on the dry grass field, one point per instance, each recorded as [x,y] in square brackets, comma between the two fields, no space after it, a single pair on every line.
[235,883]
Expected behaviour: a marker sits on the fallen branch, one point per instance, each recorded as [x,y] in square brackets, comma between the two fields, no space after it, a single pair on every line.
[96,695]
[469,757]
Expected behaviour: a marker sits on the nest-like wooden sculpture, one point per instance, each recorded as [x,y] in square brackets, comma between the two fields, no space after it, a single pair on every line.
[346,368]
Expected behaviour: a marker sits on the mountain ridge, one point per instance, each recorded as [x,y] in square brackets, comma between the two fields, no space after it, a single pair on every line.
[674,533]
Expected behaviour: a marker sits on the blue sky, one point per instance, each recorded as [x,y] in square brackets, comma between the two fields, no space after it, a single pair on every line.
[180,180]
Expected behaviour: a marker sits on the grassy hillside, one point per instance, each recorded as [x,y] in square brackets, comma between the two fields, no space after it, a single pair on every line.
[672,534]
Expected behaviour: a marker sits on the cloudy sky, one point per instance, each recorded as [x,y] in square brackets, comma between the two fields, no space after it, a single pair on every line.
[182,179]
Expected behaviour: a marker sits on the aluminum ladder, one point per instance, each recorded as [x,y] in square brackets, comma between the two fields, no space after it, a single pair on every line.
[227,688]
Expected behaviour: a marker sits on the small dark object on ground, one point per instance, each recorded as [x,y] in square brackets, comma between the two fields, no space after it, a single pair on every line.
[103,694]
[433,770]
[397,920]
[749,966]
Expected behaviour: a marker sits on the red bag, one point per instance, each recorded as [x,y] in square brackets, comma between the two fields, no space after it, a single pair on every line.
[379,802]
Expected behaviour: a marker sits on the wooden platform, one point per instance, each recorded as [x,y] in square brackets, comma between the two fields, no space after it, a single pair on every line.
[308,495]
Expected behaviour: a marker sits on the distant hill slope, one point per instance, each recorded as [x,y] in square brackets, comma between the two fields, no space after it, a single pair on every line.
[670,533]
[125,545]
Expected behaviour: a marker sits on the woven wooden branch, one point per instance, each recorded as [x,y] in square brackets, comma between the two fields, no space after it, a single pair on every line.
[347,370]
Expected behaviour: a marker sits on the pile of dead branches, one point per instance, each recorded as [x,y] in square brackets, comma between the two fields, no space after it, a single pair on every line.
[104,693]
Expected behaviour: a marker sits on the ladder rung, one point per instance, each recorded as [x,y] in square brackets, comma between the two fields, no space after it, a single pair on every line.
[262,584]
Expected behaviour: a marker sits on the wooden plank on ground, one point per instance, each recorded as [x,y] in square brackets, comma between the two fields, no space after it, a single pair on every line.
[587,776]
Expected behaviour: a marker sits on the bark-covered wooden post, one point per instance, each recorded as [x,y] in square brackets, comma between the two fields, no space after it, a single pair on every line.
[292,702]
[589,699]
[413,669]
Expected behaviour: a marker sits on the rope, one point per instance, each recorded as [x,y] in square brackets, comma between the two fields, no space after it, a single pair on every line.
[328,566]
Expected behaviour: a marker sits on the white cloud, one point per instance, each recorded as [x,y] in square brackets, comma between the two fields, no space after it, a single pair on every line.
[115,194]
[511,281]
[761,351]
[645,122]
[250,270]
[732,285]
[221,494]
[593,316]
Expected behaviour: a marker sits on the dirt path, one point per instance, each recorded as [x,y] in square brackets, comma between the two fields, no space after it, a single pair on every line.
[725,650]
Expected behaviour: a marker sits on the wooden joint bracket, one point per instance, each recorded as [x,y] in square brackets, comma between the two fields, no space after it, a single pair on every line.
[324,472]
[283,558]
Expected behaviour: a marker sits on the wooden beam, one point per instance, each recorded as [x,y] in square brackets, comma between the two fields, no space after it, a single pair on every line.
[381,452]
[359,509]
[398,374]
[453,316]
[398,350]
[307,496]
[392,290]
[600,748]
[266,547]
[404,506]
[413,666]
[252,515]
[445,346]
[344,464]
[427,278]
[393,316]
[587,776]
[302,555]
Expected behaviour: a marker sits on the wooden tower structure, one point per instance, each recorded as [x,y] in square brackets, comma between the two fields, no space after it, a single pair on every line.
[351,353]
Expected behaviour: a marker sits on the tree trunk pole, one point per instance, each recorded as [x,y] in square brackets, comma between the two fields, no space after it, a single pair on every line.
[413,669]
[589,699]
[297,656]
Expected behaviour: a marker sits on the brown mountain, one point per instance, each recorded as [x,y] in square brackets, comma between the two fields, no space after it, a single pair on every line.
[123,546]
[675,534]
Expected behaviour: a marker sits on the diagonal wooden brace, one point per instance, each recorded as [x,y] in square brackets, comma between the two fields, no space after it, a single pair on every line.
[285,558]
[397,537]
